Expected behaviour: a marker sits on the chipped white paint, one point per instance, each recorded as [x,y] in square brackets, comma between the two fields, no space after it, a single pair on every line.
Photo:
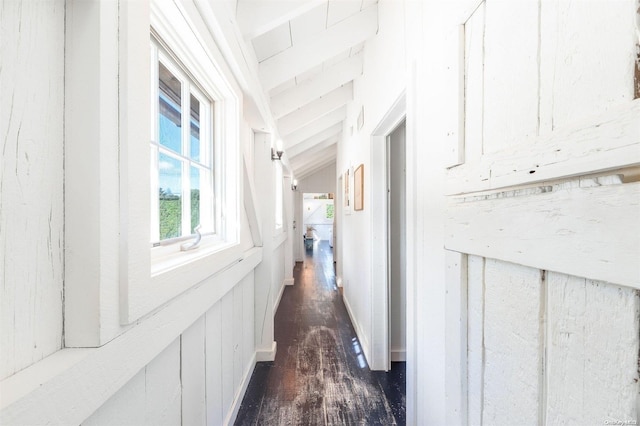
[31,183]
[558,228]
[512,331]
[592,352]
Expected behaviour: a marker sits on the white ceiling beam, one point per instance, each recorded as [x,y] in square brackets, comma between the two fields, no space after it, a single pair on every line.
[338,75]
[310,112]
[321,156]
[303,149]
[315,127]
[322,47]
[315,154]
[310,170]
[257,17]
[316,139]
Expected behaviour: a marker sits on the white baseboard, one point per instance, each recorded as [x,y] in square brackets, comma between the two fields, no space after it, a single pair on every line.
[398,355]
[267,354]
[364,344]
[237,402]
[277,302]
[289,281]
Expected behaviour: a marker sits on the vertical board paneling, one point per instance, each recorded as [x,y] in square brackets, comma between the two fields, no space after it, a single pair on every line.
[193,375]
[475,337]
[123,408]
[248,345]
[588,60]
[510,73]
[511,336]
[226,343]
[163,388]
[31,182]
[473,84]
[592,349]
[213,361]
[238,327]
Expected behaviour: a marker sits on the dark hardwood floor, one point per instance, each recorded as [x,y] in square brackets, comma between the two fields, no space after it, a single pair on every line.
[320,375]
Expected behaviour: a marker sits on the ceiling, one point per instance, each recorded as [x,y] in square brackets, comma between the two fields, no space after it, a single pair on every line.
[309,53]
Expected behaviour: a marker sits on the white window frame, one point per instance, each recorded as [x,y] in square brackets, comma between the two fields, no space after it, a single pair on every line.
[188,88]
[154,275]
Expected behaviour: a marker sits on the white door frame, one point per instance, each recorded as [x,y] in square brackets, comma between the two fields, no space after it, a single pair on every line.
[380,352]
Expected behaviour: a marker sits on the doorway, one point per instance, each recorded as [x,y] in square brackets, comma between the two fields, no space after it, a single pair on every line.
[317,219]
[397,242]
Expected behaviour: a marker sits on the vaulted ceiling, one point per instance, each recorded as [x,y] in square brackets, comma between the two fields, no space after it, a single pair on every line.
[309,53]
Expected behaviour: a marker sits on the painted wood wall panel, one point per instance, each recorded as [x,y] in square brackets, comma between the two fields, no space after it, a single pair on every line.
[475,338]
[193,374]
[238,329]
[592,350]
[226,343]
[125,408]
[587,66]
[580,228]
[163,387]
[213,361]
[31,179]
[474,84]
[510,72]
[512,344]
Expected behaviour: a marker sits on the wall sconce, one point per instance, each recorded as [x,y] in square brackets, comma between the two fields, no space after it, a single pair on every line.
[276,155]
[294,185]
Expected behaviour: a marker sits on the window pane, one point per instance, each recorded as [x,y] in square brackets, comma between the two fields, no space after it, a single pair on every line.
[169,109]
[170,196]
[195,129]
[195,198]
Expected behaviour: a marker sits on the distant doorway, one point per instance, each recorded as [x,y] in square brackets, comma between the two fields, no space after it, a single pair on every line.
[318,213]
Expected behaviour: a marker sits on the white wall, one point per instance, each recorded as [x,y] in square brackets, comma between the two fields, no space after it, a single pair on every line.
[31,183]
[532,107]
[190,360]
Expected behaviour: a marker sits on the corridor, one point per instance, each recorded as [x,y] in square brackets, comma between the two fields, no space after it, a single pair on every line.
[320,375]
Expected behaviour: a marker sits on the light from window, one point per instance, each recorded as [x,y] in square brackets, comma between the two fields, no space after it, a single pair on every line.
[181,153]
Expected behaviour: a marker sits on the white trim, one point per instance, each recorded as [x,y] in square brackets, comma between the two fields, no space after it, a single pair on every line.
[277,303]
[263,355]
[379,232]
[398,355]
[92,376]
[144,288]
[237,401]
[364,343]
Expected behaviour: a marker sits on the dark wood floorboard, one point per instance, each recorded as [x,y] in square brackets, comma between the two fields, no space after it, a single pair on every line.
[320,376]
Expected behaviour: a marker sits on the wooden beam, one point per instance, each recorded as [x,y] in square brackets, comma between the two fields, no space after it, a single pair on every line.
[317,126]
[259,16]
[322,47]
[308,171]
[250,206]
[307,91]
[314,159]
[576,228]
[308,113]
[315,139]
[299,150]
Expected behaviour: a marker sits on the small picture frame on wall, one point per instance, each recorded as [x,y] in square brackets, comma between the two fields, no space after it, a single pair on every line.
[358,188]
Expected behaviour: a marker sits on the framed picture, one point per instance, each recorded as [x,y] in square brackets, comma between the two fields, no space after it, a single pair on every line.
[358,188]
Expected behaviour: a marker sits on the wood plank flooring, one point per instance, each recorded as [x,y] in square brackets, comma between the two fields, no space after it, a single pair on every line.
[320,376]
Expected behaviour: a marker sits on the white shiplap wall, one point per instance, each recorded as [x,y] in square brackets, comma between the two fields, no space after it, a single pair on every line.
[31,182]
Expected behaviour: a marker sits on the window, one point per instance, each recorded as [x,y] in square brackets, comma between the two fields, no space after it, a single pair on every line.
[182,148]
